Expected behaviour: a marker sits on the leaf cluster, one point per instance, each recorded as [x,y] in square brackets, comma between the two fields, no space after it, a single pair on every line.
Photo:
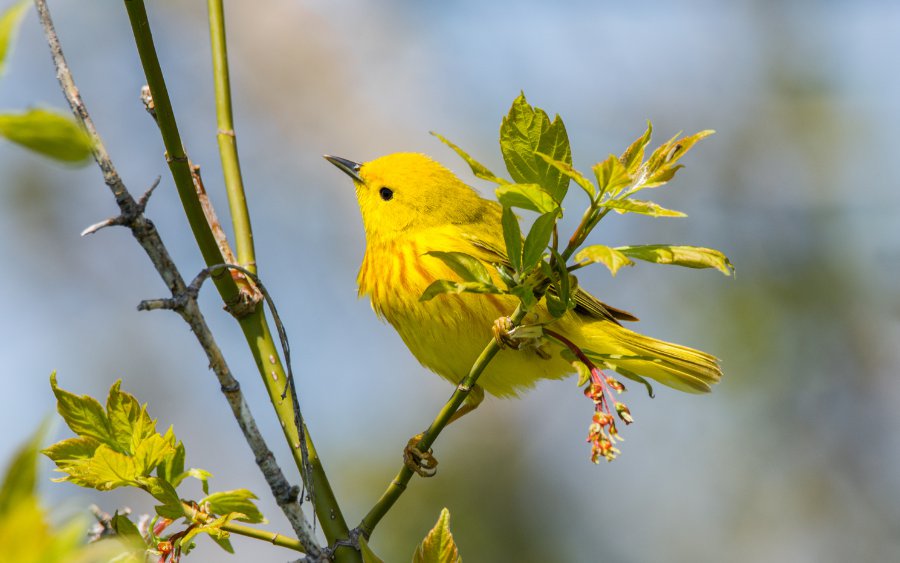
[118,446]
[533,266]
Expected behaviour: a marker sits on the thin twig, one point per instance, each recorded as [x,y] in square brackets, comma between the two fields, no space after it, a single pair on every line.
[191,293]
[148,237]
[398,484]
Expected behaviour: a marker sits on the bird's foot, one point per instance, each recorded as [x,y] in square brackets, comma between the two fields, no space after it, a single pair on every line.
[524,336]
[423,463]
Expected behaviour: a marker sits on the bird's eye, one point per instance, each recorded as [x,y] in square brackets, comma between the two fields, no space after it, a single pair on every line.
[386,193]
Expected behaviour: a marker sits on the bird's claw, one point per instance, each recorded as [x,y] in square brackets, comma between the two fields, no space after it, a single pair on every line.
[502,330]
[423,463]
[517,337]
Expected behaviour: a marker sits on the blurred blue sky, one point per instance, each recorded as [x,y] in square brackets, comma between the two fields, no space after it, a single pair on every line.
[794,457]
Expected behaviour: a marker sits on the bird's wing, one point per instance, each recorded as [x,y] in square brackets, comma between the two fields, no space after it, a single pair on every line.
[585,303]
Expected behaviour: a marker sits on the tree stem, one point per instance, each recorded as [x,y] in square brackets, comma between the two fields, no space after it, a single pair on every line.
[231,168]
[398,485]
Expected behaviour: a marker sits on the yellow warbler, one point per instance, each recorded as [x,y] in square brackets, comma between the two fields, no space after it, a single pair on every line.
[412,205]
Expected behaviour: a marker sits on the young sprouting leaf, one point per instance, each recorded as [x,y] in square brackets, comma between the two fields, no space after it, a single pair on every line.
[480,170]
[49,133]
[609,257]
[125,527]
[224,543]
[200,474]
[9,26]
[512,237]
[687,256]
[128,420]
[629,205]
[104,470]
[438,545]
[172,468]
[527,130]
[439,287]
[71,450]
[118,447]
[84,415]
[525,295]
[568,170]
[559,298]
[164,492]
[236,501]
[555,306]
[213,527]
[633,156]
[527,196]
[468,268]
[671,151]
[368,556]
[537,240]
[611,176]
[584,372]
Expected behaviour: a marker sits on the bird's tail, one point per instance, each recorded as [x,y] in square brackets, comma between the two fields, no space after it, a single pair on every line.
[634,354]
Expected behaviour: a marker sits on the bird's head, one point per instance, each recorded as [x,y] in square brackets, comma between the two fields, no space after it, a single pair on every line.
[405,192]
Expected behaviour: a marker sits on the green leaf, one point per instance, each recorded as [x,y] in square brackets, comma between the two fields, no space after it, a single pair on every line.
[438,546]
[106,469]
[21,473]
[609,257]
[525,294]
[212,527]
[49,133]
[611,175]
[368,556]
[439,287]
[584,372]
[527,130]
[567,170]
[9,26]
[559,299]
[152,451]
[124,414]
[84,415]
[224,543]
[629,205]
[238,500]
[200,474]
[633,156]
[687,256]
[480,170]
[527,196]
[72,449]
[671,151]
[512,236]
[164,492]
[125,527]
[537,240]
[171,469]
[468,268]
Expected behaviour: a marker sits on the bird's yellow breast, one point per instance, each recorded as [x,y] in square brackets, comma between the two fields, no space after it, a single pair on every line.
[447,333]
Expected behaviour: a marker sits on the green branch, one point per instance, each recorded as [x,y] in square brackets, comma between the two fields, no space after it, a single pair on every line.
[273,538]
[399,483]
[254,325]
[231,167]
[175,155]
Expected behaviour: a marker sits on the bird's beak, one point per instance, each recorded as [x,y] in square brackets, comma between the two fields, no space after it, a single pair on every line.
[349,167]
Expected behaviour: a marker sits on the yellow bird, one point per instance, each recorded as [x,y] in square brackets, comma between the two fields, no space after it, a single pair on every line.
[412,205]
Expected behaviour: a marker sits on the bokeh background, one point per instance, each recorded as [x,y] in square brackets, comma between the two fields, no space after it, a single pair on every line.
[794,457]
